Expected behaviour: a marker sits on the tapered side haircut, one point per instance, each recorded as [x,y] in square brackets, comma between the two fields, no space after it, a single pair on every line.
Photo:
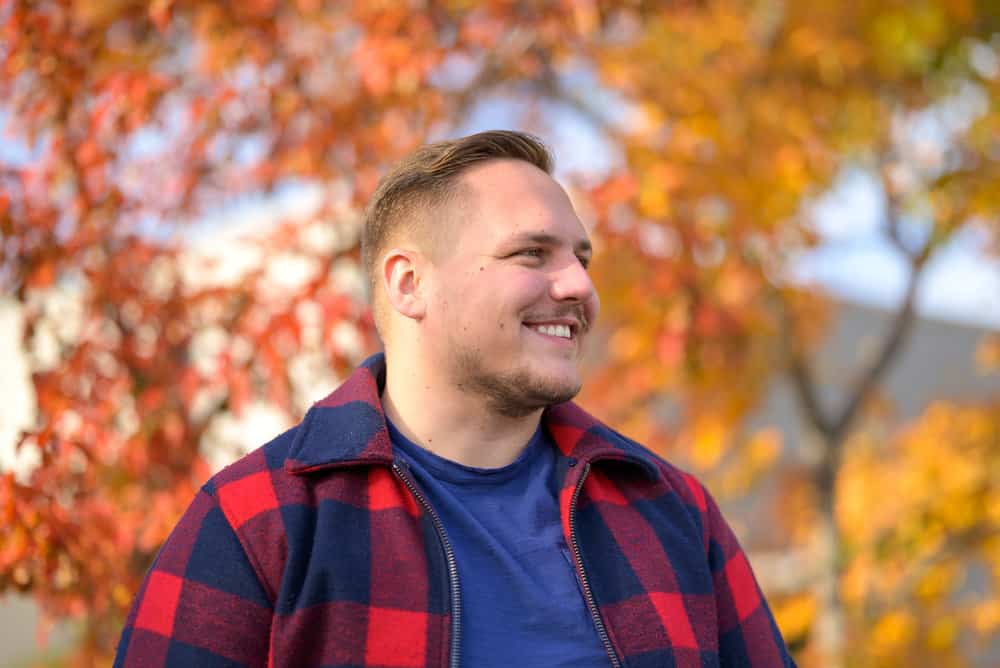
[408,197]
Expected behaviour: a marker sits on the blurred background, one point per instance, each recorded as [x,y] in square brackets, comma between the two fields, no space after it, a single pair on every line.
[796,211]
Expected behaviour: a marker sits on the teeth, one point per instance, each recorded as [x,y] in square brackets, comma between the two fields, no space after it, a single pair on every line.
[561,331]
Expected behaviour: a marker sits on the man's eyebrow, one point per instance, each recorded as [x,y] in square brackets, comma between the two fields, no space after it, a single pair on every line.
[545,239]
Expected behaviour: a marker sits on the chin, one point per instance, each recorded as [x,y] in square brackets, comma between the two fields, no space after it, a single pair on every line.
[543,389]
[516,386]
[558,383]
[520,392]
[565,377]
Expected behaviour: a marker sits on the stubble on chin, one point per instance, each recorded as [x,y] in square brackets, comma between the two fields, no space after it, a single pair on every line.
[511,393]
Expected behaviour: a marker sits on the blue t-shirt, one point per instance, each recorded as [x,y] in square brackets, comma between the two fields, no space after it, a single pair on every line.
[521,602]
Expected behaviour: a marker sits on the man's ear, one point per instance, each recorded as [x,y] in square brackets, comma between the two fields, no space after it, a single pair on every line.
[401,278]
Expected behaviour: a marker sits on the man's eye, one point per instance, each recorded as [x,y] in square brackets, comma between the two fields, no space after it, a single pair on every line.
[532,252]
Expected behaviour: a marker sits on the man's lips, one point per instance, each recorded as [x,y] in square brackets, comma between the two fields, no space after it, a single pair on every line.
[576,325]
[563,329]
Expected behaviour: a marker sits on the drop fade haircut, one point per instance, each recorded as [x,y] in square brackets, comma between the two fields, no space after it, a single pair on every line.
[425,181]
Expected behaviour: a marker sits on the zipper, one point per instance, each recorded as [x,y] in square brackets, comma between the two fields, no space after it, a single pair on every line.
[595,614]
[449,556]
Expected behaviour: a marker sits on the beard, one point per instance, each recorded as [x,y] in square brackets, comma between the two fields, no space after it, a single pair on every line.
[513,393]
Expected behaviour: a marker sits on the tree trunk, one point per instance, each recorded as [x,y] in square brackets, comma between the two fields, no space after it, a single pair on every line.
[830,623]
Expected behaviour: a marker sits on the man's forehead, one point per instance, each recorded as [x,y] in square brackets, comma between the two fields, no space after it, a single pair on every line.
[515,201]
[506,182]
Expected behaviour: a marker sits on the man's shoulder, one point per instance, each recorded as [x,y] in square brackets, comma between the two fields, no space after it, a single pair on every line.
[268,459]
[679,481]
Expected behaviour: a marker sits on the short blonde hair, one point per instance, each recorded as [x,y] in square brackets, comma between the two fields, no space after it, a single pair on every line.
[426,180]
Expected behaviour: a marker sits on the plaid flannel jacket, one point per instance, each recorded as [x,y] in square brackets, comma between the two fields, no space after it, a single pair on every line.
[318,549]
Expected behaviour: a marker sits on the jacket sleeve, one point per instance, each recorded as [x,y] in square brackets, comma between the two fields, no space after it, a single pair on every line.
[748,634]
[202,603]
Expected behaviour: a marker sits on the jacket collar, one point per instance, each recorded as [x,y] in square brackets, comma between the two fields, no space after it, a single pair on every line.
[347,428]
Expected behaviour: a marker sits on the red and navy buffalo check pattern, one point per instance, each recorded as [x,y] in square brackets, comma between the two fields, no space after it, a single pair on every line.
[311,551]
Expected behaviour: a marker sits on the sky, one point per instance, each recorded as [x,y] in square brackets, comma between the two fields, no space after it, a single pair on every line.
[855,261]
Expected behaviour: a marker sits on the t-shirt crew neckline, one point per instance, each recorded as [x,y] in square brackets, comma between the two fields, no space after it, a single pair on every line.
[447,470]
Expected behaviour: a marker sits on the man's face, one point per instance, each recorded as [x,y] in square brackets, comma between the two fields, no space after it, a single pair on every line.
[510,303]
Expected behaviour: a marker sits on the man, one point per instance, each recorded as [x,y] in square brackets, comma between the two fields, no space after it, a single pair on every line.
[447,504]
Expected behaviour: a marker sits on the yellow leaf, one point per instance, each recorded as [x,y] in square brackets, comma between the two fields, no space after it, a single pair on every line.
[653,201]
[938,581]
[795,615]
[986,617]
[895,630]
[121,594]
[943,633]
[709,441]
[764,448]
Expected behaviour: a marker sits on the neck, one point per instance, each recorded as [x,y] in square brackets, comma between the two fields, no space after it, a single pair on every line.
[450,422]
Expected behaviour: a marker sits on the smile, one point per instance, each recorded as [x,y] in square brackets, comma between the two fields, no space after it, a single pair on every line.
[564,332]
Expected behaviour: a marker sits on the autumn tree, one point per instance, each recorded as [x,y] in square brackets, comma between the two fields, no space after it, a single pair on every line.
[749,111]
[132,118]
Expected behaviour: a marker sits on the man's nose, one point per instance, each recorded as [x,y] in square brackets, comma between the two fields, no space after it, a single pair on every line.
[572,283]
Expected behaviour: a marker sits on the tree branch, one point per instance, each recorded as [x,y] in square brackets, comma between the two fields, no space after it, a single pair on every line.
[902,322]
[798,368]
